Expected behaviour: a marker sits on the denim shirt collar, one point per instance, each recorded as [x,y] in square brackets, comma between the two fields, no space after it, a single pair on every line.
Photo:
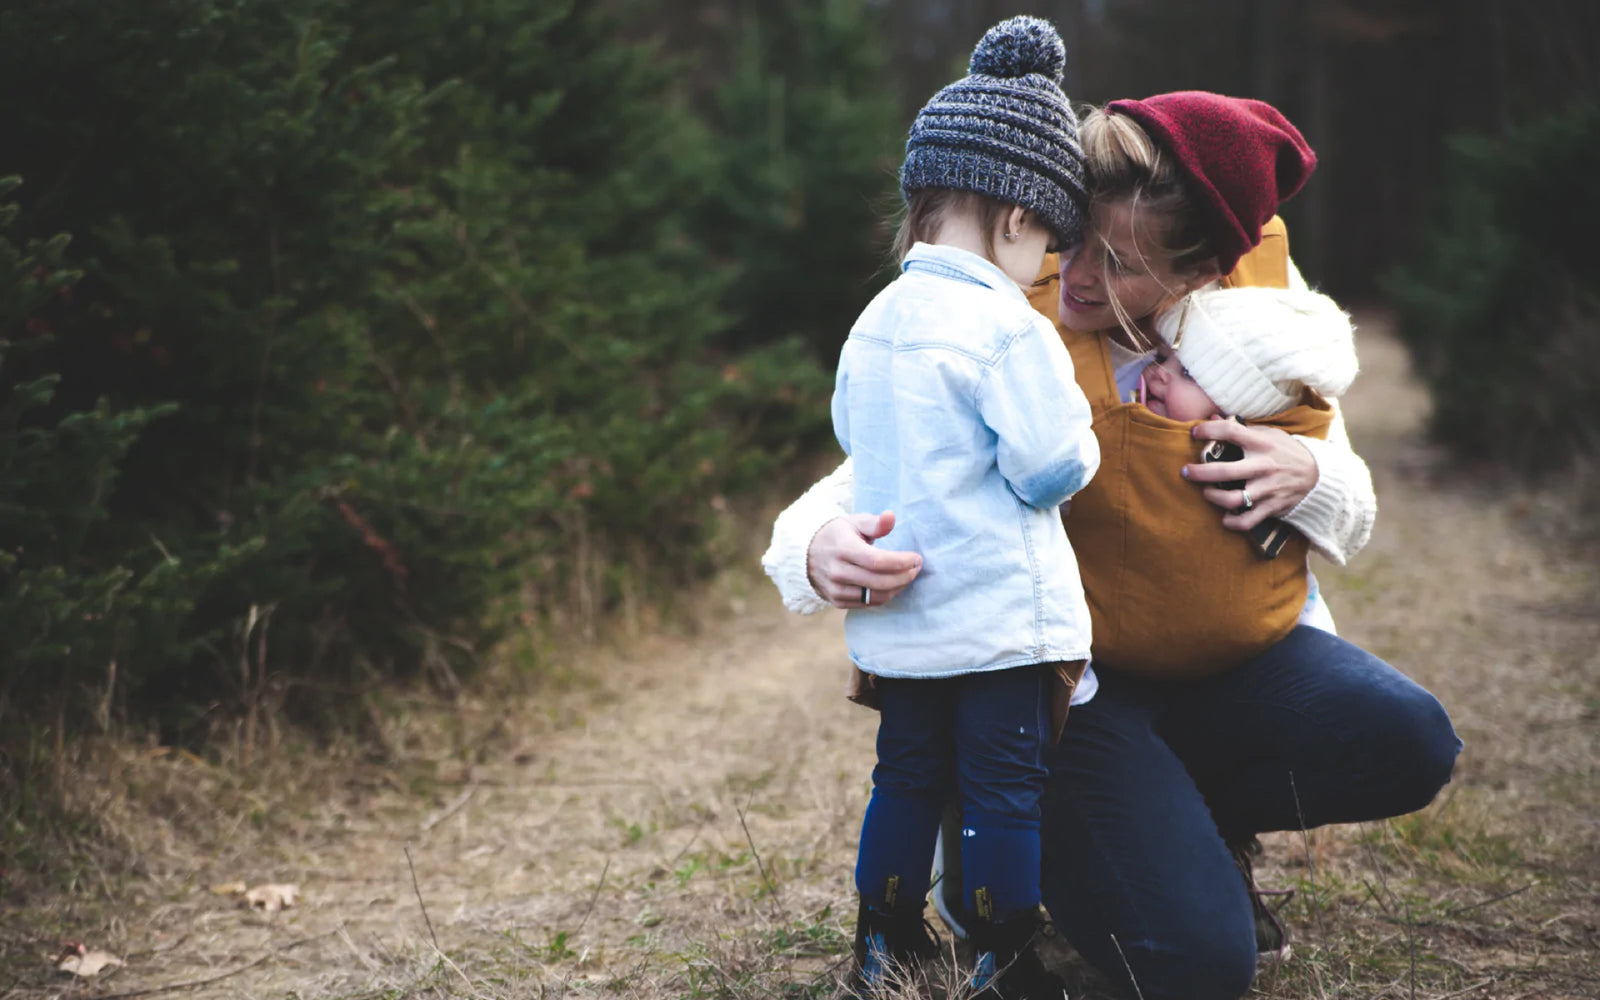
[962,265]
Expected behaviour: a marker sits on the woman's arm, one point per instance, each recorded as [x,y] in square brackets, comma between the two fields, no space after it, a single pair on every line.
[1337,515]
[822,554]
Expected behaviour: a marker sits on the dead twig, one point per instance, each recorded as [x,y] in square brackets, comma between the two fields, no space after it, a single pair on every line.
[1411,946]
[593,898]
[360,955]
[1386,833]
[679,856]
[1456,910]
[1305,843]
[591,783]
[451,809]
[1466,989]
[191,984]
[174,946]
[196,983]
[417,888]
[777,905]
[1383,907]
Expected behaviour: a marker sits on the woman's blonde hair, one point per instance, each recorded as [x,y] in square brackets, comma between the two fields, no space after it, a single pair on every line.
[1126,166]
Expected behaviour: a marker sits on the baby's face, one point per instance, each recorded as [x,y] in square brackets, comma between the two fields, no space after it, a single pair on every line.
[1170,392]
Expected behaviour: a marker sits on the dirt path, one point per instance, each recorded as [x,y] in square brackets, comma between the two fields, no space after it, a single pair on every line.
[684,824]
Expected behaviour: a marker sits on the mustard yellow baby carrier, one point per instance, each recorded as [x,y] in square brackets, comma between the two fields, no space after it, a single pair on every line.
[1171,591]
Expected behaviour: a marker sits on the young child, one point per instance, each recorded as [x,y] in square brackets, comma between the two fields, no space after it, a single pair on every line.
[1186,594]
[957,403]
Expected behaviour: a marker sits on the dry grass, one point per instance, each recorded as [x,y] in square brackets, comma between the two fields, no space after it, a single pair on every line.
[673,812]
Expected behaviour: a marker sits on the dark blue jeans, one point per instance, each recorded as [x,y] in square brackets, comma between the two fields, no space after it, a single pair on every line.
[1151,777]
[983,735]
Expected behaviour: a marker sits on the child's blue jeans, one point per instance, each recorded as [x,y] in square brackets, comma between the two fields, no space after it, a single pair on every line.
[984,736]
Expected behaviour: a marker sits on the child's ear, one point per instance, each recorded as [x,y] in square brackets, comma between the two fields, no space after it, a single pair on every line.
[1017,218]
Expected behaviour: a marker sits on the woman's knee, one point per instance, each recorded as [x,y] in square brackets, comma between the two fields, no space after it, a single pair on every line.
[1423,750]
[1191,937]
[1404,732]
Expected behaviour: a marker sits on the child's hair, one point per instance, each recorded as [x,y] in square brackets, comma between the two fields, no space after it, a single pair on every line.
[927,210]
[1126,166]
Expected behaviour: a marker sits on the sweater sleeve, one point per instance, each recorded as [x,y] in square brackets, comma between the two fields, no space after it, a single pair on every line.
[1336,516]
[1297,281]
[785,559]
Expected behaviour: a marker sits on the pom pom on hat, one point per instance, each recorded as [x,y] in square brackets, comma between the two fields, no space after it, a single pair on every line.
[1019,46]
[1255,350]
[1242,158]
[1006,131]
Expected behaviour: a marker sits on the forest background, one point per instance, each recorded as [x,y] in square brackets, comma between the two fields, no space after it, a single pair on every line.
[340,349]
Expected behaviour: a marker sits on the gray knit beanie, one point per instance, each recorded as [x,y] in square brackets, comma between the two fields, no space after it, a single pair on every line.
[1006,130]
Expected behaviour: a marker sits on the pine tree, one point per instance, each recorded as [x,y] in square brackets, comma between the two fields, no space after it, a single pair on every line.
[421,304]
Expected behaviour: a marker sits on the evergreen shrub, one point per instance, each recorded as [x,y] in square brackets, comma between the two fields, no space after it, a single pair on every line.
[71,595]
[1501,309]
[812,144]
[392,333]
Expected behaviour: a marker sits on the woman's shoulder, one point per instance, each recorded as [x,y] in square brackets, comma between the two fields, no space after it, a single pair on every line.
[1267,265]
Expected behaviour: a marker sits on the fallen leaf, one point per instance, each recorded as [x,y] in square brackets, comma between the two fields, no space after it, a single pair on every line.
[272,897]
[89,963]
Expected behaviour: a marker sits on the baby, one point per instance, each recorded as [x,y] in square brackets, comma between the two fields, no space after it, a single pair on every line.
[1258,371]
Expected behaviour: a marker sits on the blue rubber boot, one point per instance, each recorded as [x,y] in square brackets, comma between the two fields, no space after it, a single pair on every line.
[890,949]
[1007,967]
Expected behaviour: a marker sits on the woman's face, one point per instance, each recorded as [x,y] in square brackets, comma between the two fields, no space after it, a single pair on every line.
[1116,259]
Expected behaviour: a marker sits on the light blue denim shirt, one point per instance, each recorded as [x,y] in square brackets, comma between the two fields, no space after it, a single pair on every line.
[956,402]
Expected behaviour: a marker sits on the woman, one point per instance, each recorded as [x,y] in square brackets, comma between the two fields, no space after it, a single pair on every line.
[1159,784]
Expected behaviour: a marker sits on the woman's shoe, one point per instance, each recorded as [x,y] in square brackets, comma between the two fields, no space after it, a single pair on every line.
[1272,937]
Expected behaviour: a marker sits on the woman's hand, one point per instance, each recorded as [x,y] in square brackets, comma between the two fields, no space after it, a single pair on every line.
[1277,470]
[843,566]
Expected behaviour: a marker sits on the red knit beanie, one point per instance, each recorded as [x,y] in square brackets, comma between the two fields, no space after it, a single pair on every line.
[1242,158]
